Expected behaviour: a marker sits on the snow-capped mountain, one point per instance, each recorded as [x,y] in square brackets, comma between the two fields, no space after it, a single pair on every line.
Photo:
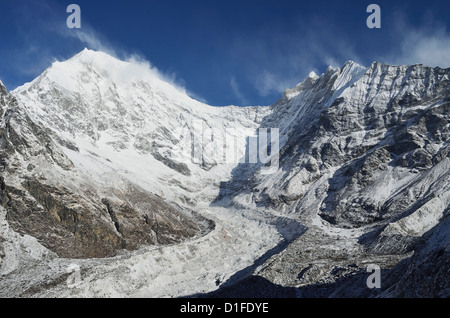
[102,156]
[66,209]
[120,116]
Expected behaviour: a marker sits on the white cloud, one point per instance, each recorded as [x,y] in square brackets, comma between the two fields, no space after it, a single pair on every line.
[143,66]
[35,55]
[237,91]
[90,39]
[428,47]
[268,82]
[275,60]
[427,42]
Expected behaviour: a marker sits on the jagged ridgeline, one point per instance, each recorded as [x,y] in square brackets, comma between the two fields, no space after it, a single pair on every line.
[366,155]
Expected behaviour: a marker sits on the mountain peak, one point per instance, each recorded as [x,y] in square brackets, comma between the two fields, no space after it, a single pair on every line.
[349,73]
[91,73]
[3,90]
[312,75]
[89,52]
[351,63]
[87,56]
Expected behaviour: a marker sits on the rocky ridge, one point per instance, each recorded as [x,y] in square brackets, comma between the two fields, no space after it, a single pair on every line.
[365,161]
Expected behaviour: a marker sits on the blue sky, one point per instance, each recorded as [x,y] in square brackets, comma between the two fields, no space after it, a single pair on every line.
[240,52]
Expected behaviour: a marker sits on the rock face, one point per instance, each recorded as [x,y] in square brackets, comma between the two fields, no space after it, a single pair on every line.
[45,198]
[100,156]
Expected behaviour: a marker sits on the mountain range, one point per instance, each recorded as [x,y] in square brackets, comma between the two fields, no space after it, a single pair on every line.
[150,193]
